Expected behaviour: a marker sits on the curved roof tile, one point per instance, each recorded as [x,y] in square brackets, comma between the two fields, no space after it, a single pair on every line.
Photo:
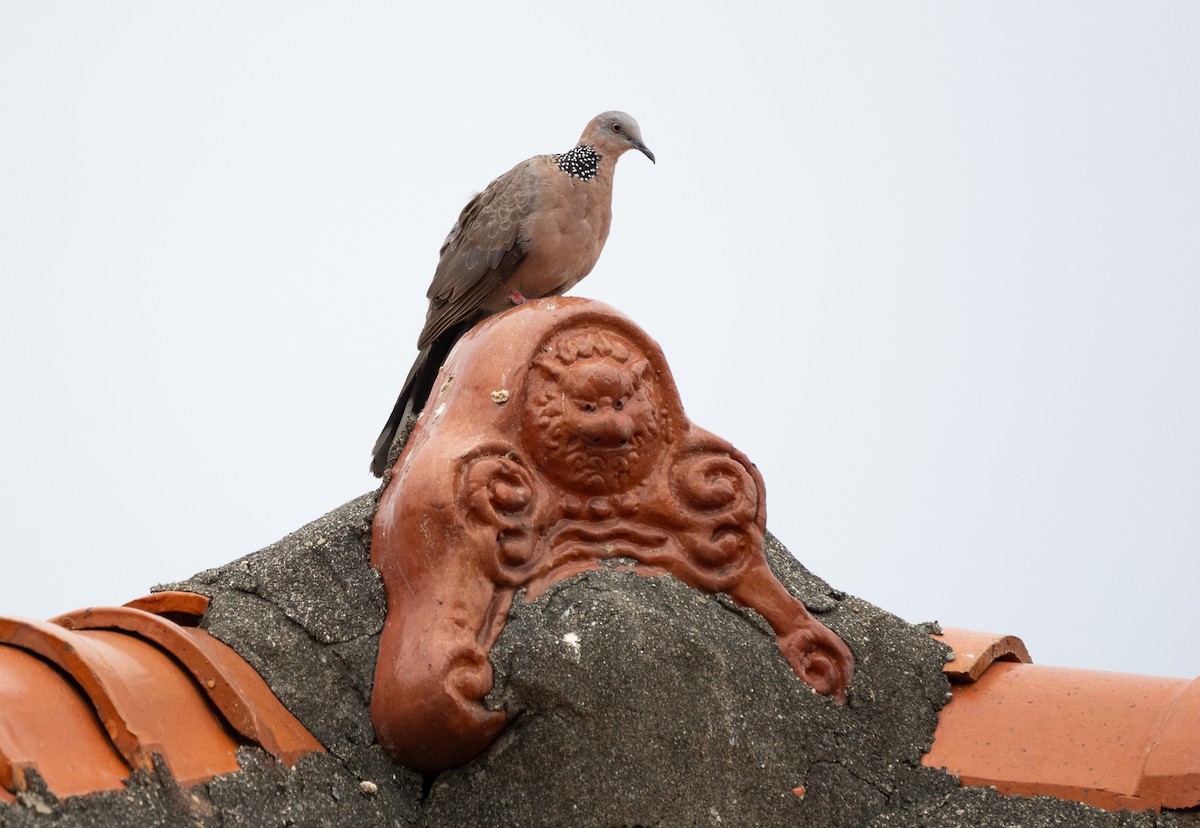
[93,694]
[1113,740]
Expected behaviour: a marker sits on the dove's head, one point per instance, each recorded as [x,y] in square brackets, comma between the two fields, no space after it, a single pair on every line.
[612,133]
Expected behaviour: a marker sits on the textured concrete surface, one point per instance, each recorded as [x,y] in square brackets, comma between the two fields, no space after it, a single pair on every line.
[633,702]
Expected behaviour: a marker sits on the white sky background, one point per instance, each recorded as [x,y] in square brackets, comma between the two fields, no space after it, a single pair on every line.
[932,266]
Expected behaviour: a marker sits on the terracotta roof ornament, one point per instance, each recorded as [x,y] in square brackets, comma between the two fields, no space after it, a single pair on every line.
[555,442]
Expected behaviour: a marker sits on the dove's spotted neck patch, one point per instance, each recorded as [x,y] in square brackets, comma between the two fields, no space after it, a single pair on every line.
[581,162]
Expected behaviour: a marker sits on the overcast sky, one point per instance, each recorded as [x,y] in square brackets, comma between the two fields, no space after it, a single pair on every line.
[935,267]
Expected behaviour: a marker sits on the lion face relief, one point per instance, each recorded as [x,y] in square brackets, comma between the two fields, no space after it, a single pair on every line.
[595,414]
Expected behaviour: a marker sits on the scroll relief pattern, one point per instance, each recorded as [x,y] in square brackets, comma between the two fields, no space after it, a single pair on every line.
[599,462]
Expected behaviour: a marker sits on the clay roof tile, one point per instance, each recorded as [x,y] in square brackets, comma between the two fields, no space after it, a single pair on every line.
[1113,740]
[94,694]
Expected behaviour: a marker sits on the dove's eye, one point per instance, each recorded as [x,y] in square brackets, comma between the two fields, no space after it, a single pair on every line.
[616,127]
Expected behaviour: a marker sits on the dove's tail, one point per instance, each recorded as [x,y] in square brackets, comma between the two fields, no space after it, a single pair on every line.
[413,395]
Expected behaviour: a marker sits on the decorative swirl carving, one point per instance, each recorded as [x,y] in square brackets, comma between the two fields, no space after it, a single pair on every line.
[723,496]
[468,673]
[497,485]
[715,482]
[498,493]
[819,657]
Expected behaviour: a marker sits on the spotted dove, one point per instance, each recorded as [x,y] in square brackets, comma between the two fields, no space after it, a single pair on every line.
[535,231]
